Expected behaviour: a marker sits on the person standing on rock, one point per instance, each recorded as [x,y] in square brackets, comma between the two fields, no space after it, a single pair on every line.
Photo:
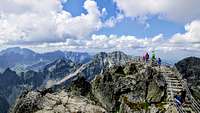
[159,62]
[153,56]
[144,57]
[147,57]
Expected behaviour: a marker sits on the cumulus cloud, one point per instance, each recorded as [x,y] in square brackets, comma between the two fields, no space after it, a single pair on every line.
[178,10]
[107,43]
[79,26]
[34,22]
[188,41]
[192,34]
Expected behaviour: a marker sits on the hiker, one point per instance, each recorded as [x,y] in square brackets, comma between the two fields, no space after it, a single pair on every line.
[159,62]
[183,95]
[178,99]
[153,56]
[146,57]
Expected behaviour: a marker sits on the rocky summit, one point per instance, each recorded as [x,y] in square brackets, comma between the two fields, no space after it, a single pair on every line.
[130,88]
[122,86]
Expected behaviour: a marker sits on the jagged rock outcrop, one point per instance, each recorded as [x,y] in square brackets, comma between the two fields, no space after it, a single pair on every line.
[60,68]
[190,70]
[69,100]
[12,84]
[102,61]
[97,65]
[55,71]
[128,88]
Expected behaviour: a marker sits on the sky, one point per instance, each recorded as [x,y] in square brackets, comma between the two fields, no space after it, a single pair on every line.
[169,27]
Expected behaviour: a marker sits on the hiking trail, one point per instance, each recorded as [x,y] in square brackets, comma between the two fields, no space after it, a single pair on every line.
[176,84]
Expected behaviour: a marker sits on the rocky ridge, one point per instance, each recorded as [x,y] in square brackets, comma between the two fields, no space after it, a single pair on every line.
[128,88]
[54,72]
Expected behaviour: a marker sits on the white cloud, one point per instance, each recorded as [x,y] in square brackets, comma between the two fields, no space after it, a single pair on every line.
[107,43]
[179,43]
[175,10]
[23,6]
[80,26]
[33,22]
[192,35]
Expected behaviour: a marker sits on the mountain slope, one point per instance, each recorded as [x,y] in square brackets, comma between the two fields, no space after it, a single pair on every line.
[190,70]
[12,56]
[12,84]
[97,65]
[122,89]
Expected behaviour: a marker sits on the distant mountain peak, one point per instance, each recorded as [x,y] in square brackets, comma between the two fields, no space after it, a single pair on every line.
[8,70]
[18,51]
[23,58]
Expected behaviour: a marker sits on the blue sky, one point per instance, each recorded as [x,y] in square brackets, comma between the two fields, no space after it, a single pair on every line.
[133,26]
[128,26]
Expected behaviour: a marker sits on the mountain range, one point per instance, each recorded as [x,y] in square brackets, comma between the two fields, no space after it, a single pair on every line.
[53,72]
[120,85]
[107,82]
[22,59]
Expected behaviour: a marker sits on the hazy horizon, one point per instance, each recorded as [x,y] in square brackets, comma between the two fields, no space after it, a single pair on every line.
[168,58]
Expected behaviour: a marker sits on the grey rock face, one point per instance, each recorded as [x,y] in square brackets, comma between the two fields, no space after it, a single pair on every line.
[130,88]
[190,70]
[102,61]
[31,79]
[125,91]
[56,70]
[60,68]
[28,103]
[48,101]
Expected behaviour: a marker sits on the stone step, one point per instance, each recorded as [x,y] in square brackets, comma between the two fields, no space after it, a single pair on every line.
[171,79]
[174,93]
[170,74]
[174,90]
[175,87]
[174,84]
